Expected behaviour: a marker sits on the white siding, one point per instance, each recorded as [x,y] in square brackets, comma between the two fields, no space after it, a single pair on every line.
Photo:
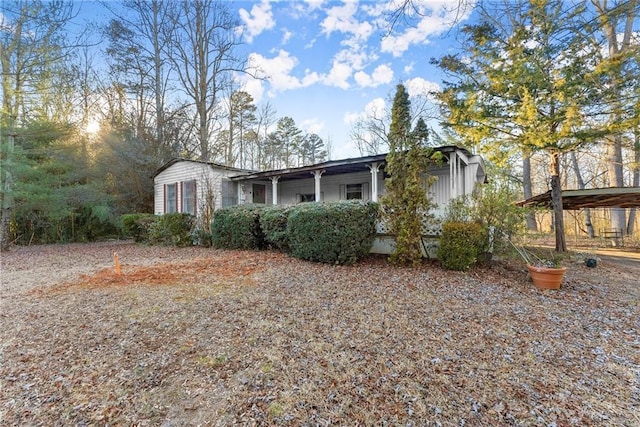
[246,187]
[208,180]
[329,187]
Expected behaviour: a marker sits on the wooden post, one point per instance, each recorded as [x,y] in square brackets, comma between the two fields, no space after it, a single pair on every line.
[117,262]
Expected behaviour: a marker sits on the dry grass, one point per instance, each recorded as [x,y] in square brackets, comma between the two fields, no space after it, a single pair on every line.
[199,336]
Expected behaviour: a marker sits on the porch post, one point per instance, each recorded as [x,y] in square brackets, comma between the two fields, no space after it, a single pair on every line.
[374,167]
[453,174]
[240,194]
[274,189]
[316,176]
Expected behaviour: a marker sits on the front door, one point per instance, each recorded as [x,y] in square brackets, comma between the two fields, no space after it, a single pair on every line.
[259,193]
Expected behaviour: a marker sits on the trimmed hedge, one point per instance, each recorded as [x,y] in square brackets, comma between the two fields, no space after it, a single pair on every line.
[273,222]
[173,229]
[137,226]
[237,227]
[333,233]
[460,244]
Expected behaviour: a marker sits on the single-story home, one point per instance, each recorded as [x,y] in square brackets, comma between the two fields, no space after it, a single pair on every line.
[199,188]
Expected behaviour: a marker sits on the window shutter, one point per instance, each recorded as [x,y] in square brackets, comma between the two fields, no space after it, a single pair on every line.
[298,197]
[343,192]
[365,191]
[181,197]
[195,197]
[164,203]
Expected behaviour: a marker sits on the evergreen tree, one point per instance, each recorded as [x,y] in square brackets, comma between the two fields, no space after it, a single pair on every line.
[242,117]
[405,206]
[32,45]
[525,83]
[312,150]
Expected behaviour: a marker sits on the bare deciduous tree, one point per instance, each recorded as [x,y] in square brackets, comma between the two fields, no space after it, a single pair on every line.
[203,52]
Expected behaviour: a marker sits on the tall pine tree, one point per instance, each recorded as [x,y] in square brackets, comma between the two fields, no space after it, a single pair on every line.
[405,205]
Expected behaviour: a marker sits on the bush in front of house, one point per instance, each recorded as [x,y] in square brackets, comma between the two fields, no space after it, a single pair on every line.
[237,227]
[273,222]
[172,229]
[460,244]
[333,233]
[137,226]
[492,205]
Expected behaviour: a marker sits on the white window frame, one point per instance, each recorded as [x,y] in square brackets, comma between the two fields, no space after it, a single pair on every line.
[189,196]
[171,203]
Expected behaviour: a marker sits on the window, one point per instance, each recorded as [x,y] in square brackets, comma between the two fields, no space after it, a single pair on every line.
[307,197]
[229,193]
[189,197]
[354,191]
[170,198]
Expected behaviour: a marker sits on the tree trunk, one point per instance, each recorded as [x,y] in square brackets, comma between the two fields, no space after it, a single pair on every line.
[532,225]
[626,13]
[587,211]
[159,92]
[556,199]
[7,194]
[616,179]
[636,179]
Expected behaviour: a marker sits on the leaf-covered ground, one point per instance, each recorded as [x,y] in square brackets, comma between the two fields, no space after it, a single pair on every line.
[206,337]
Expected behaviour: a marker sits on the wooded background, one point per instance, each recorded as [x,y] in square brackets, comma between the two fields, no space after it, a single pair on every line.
[547,91]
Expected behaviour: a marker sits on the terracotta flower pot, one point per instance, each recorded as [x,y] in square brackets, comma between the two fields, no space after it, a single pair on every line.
[547,278]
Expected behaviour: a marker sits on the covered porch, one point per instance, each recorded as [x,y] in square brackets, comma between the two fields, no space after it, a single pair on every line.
[356,178]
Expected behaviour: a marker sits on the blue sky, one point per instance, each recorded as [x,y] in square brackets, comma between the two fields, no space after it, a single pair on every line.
[325,63]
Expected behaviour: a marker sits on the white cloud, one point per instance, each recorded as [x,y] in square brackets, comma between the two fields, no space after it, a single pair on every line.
[408,68]
[383,74]
[286,36]
[314,4]
[342,19]
[433,18]
[278,71]
[314,125]
[258,20]
[357,60]
[339,75]
[374,108]
[255,88]
[420,87]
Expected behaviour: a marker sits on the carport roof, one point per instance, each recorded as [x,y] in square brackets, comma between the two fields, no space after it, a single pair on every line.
[612,197]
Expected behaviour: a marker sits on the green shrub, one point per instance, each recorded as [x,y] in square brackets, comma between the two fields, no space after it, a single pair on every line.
[460,244]
[237,227]
[273,222]
[334,233]
[201,237]
[173,229]
[137,226]
[491,205]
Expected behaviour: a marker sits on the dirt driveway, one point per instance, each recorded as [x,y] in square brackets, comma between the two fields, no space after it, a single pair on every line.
[198,336]
[629,259]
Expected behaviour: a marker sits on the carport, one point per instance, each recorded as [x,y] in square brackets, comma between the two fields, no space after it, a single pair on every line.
[612,197]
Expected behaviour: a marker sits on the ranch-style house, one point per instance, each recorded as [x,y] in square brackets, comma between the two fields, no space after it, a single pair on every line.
[198,187]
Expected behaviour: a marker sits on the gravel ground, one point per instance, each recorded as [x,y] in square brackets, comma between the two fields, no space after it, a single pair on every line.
[196,336]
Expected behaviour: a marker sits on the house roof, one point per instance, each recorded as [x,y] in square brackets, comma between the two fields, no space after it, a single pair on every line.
[618,197]
[333,167]
[181,159]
